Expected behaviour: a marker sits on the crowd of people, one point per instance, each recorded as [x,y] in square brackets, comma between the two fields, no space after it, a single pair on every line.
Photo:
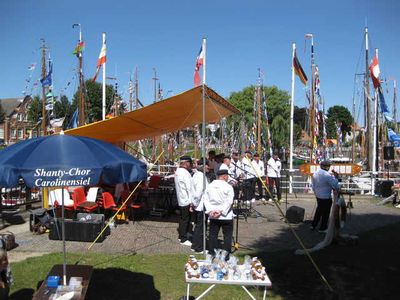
[212,184]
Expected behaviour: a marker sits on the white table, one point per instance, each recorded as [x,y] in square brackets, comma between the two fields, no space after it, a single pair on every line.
[213,281]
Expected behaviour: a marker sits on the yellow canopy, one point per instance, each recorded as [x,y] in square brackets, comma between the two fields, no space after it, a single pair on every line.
[178,112]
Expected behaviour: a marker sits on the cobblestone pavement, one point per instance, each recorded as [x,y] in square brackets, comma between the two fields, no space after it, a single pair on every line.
[265,230]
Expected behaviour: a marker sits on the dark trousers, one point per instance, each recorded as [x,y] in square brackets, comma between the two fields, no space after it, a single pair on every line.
[260,188]
[322,213]
[248,188]
[197,241]
[185,226]
[277,182]
[227,230]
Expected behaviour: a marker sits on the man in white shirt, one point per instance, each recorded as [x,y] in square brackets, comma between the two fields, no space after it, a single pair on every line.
[197,204]
[226,165]
[274,174]
[259,167]
[248,182]
[218,199]
[184,194]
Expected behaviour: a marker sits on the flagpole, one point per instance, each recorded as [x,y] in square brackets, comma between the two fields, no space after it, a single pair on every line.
[375,134]
[291,124]
[104,82]
[203,142]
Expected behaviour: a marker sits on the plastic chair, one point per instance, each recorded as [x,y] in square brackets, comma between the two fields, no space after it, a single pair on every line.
[92,194]
[55,198]
[79,198]
[108,204]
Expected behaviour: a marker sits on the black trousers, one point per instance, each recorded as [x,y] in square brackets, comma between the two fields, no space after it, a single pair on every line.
[248,188]
[227,230]
[322,213]
[185,226]
[197,241]
[277,182]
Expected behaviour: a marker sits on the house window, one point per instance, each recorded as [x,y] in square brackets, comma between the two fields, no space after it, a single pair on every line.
[13,133]
[2,133]
[19,117]
[20,134]
[34,133]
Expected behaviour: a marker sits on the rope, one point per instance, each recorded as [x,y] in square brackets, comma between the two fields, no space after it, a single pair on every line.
[116,213]
[294,232]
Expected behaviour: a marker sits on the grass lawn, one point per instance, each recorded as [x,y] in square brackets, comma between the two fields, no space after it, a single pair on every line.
[368,270]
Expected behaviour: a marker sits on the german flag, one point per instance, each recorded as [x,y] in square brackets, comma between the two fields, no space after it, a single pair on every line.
[299,70]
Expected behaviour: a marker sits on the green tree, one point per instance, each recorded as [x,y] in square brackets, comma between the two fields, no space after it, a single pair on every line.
[280,132]
[277,106]
[35,110]
[2,113]
[338,115]
[63,108]
[93,98]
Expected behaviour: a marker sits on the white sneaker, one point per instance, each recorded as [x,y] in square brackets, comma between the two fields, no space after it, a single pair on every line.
[270,200]
[253,200]
[187,243]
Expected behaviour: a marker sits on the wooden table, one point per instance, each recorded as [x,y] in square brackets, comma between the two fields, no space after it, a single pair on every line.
[83,271]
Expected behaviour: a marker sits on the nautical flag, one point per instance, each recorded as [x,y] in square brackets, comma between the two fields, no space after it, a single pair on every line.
[32,67]
[73,123]
[100,61]
[317,82]
[199,62]
[382,102]
[79,48]
[299,70]
[46,81]
[374,70]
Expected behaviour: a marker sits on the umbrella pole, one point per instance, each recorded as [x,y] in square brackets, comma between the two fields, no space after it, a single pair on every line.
[63,240]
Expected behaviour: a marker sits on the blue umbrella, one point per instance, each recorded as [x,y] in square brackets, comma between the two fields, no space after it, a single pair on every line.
[67,160]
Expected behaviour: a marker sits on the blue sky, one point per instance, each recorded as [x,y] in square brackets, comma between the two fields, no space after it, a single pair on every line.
[242,36]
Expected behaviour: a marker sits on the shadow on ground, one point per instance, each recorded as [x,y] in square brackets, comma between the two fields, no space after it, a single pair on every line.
[116,283]
[369,269]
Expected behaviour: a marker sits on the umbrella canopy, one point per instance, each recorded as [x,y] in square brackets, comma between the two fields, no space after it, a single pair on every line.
[66,160]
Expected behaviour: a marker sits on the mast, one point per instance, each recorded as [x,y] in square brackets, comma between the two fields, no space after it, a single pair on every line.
[43,88]
[130,92]
[367,119]
[259,112]
[291,124]
[136,89]
[312,98]
[155,84]
[81,102]
[375,160]
[104,81]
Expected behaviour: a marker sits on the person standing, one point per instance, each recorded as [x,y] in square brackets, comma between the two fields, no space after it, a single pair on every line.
[249,181]
[184,194]
[218,200]
[226,165]
[5,275]
[259,167]
[323,183]
[197,204]
[274,174]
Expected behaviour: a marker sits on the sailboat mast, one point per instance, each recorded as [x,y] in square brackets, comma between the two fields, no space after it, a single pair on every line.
[136,89]
[259,112]
[367,119]
[394,104]
[81,102]
[376,127]
[312,98]
[43,88]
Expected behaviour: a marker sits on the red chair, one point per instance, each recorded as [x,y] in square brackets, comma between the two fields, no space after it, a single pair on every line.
[133,204]
[108,204]
[80,202]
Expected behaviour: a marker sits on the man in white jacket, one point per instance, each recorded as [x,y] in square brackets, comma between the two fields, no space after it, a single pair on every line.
[184,194]
[274,175]
[218,199]
[258,166]
[200,182]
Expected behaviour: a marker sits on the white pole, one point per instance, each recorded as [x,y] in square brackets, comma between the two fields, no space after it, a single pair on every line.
[375,126]
[291,124]
[203,143]
[104,82]
[204,61]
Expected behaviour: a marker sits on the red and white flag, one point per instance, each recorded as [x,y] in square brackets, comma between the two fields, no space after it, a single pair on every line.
[100,61]
[375,71]
[200,60]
